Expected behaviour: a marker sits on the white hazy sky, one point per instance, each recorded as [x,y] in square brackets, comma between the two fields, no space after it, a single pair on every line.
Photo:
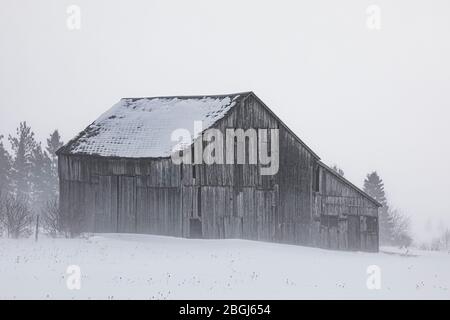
[363,99]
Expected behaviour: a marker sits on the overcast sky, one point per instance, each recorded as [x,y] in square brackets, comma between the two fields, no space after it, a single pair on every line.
[363,99]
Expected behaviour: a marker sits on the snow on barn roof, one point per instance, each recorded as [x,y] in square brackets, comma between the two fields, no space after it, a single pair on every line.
[142,127]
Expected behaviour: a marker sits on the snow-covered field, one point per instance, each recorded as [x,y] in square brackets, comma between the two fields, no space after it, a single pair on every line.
[153,267]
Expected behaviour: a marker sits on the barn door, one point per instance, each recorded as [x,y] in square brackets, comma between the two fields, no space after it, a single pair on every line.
[127,205]
[354,240]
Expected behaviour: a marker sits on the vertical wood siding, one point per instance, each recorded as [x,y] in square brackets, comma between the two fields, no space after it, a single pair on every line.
[352,211]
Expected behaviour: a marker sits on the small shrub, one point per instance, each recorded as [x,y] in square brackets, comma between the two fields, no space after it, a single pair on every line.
[16,217]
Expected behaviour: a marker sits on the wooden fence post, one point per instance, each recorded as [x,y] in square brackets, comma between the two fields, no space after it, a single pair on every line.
[37,229]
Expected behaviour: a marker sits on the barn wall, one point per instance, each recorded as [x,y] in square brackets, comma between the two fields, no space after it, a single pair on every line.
[122,195]
[241,202]
[343,217]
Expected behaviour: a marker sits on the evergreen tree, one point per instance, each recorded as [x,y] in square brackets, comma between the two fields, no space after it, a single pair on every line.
[22,145]
[374,186]
[43,186]
[5,169]
[53,144]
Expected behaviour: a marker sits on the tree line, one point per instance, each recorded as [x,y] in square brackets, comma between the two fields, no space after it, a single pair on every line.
[28,181]
[29,187]
[439,236]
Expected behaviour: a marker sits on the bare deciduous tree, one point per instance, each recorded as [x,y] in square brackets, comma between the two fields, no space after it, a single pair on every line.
[52,221]
[401,228]
[56,222]
[16,216]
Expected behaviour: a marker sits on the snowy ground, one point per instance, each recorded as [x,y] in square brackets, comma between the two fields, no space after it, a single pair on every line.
[152,267]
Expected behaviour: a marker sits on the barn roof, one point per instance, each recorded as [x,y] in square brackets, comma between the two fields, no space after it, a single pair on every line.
[142,127]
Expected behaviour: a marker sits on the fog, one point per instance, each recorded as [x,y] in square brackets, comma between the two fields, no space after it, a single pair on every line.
[361,98]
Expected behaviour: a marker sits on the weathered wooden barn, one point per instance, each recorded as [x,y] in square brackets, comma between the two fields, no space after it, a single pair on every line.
[118,176]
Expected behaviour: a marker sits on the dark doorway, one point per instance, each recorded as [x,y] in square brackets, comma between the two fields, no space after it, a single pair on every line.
[195,228]
[354,241]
